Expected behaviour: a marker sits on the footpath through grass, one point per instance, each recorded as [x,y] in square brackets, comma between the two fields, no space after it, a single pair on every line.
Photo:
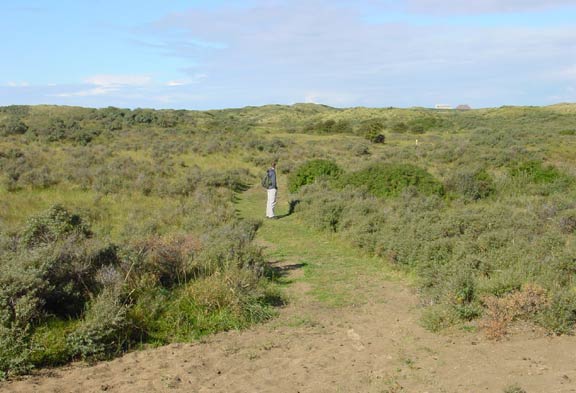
[338,274]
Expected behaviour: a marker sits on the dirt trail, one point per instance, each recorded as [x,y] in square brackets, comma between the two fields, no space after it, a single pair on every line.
[375,345]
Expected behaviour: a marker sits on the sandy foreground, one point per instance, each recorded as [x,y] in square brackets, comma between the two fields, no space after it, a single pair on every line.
[376,347]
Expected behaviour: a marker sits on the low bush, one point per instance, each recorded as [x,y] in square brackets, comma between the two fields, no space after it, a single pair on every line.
[49,342]
[438,317]
[104,331]
[52,225]
[388,180]
[471,184]
[312,170]
[560,316]
[12,126]
[462,253]
[537,172]
[15,352]
[66,294]
[501,311]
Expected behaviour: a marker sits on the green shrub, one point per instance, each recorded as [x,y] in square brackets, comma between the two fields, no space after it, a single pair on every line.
[438,317]
[312,170]
[20,289]
[560,316]
[537,172]
[386,180]
[422,124]
[567,132]
[12,126]
[105,330]
[49,342]
[460,252]
[471,184]
[14,352]
[232,299]
[228,247]
[372,130]
[52,269]
[399,127]
[52,225]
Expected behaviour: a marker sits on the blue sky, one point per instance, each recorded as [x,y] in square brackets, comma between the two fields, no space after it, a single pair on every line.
[196,54]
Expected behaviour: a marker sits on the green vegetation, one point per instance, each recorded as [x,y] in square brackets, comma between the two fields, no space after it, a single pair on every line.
[514,389]
[385,180]
[311,171]
[118,228]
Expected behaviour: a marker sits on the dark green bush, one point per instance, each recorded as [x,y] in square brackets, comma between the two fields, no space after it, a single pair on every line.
[536,172]
[372,130]
[312,170]
[386,180]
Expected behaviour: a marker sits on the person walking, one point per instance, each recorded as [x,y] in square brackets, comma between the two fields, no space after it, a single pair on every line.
[272,189]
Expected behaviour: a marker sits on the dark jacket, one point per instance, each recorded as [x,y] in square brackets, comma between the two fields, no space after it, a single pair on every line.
[272,177]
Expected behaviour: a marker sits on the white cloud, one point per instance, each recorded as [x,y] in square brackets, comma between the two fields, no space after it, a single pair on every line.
[119,80]
[108,84]
[177,83]
[483,6]
[326,51]
[568,73]
[17,84]
[97,91]
[334,98]
[196,78]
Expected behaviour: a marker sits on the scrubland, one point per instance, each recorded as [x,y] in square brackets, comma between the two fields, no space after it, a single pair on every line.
[119,228]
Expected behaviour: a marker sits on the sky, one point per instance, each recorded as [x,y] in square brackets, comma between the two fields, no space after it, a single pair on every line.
[197,54]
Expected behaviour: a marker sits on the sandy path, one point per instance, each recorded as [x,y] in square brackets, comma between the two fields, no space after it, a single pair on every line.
[375,347]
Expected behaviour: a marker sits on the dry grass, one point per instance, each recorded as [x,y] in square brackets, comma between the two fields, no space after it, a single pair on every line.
[500,312]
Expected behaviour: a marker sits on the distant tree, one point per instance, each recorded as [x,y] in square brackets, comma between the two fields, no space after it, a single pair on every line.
[373,130]
[328,126]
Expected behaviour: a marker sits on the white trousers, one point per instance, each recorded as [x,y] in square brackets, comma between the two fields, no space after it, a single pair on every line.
[271,202]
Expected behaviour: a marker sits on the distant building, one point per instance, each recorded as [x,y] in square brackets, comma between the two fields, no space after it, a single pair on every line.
[442,106]
[463,107]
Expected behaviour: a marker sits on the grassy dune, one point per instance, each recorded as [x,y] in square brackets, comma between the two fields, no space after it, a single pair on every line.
[131,217]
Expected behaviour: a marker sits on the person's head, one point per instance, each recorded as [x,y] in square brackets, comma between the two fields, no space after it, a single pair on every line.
[273,164]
